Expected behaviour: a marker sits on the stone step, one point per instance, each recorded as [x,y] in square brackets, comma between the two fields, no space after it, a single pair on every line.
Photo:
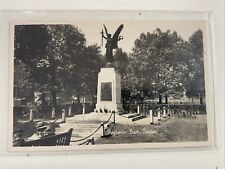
[76,128]
[130,115]
[85,125]
[133,115]
[138,118]
[82,130]
[122,112]
[93,118]
[76,137]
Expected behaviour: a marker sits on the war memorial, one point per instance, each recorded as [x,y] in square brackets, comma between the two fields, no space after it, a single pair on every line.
[114,115]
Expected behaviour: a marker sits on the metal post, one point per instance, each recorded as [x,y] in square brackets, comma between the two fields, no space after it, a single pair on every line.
[83,109]
[151,117]
[92,141]
[114,117]
[138,109]
[168,110]
[103,129]
[53,113]
[63,116]
[164,112]
[69,111]
[31,115]
[159,114]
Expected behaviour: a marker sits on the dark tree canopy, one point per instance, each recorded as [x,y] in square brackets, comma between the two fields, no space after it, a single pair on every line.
[195,79]
[164,63]
[121,61]
[57,58]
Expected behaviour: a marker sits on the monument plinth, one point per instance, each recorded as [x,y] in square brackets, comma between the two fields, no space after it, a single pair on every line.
[109,80]
[109,91]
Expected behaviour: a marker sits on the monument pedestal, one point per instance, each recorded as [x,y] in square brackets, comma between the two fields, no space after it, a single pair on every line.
[109,91]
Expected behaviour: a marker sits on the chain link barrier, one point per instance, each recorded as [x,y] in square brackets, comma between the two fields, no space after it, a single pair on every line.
[82,139]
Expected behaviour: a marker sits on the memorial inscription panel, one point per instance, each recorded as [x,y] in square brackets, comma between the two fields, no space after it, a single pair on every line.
[106,91]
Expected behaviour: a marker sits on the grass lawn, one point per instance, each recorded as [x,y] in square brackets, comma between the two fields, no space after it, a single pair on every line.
[171,130]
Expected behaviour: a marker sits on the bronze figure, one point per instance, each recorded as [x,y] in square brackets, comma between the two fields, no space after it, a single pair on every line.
[111,44]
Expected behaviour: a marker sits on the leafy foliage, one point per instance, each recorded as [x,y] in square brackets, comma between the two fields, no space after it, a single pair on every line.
[162,63]
[57,58]
[195,79]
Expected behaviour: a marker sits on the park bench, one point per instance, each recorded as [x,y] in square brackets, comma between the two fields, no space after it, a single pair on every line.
[55,140]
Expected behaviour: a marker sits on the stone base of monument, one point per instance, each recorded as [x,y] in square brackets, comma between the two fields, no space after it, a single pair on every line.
[109,108]
[109,91]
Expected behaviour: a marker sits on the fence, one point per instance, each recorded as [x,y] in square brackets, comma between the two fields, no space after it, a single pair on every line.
[176,109]
[23,112]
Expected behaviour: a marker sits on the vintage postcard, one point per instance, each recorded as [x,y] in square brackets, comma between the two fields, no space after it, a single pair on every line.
[111,84]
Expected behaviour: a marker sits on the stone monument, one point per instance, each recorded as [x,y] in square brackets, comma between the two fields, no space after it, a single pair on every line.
[109,80]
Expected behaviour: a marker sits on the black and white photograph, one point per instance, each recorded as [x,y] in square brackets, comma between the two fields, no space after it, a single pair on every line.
[108,83]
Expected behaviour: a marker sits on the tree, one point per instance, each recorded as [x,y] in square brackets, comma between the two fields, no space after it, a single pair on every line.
[58,59]
[121,61]
[65,51]
[83,76]
[157,64]
[30,48]
[121,64]
[21,81]
[194,85]
[31,43]
[48,51]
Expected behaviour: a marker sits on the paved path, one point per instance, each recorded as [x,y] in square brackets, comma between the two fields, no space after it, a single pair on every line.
[83,125]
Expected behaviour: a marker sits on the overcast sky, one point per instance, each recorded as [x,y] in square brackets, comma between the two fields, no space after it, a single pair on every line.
[133,29]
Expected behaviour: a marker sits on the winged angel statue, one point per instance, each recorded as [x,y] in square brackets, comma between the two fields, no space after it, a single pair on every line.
[111,43]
